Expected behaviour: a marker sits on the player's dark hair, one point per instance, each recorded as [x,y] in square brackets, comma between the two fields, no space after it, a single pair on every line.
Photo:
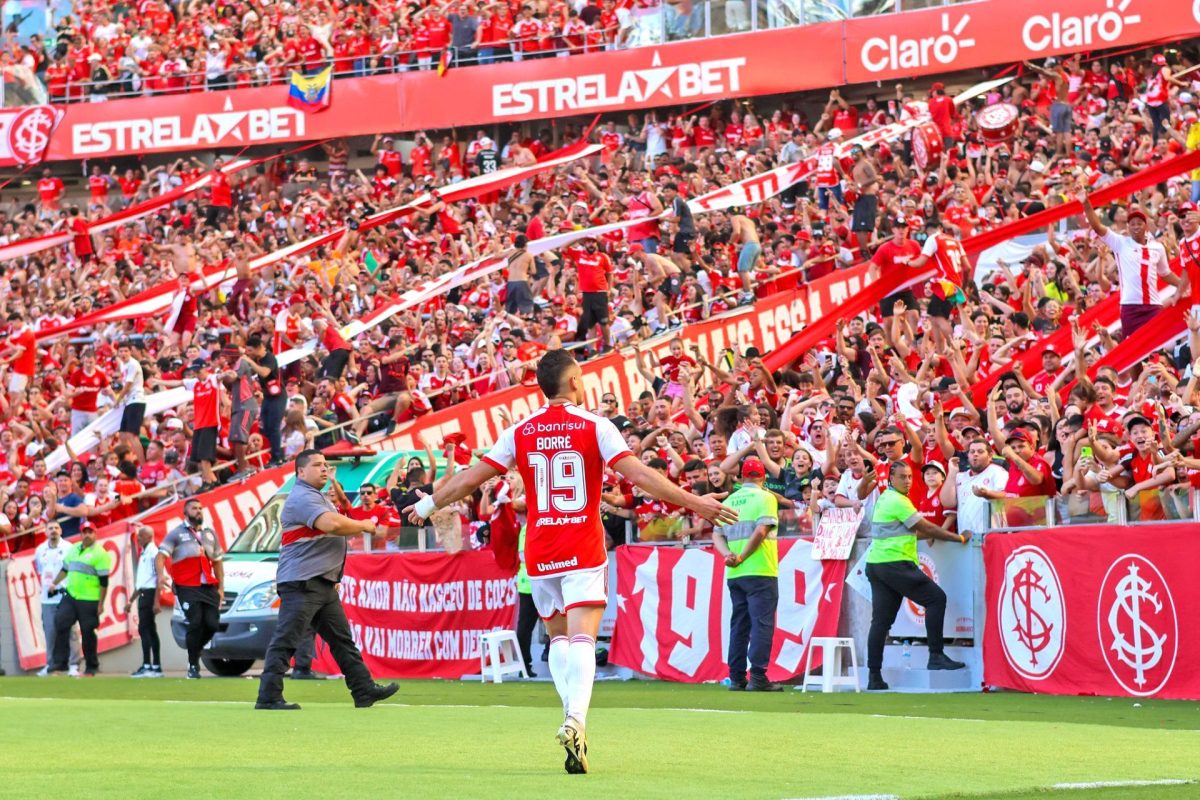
[552,370]
[304,457]
[900,466]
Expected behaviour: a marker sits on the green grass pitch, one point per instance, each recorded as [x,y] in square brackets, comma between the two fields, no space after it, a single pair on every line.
[116,738]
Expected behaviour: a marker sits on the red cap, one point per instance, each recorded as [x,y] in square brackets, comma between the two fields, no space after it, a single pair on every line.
[938,87]
[559,300]
[1023,435]
[86,526]
[753,468]
[297,299]
[1137,212]
[1187,208]
[1159,60]
[636,248]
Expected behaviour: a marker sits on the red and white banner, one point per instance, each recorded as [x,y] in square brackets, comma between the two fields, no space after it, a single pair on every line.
[1094,610]
[864,49]
[673,611]
[766,325]
[227,510]
[159,299]
[26,134]
[420,615]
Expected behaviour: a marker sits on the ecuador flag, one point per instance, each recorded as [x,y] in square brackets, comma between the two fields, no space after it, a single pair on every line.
[311,92]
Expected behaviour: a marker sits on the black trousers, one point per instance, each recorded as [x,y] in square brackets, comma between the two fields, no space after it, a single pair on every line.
[891,582]
[306,651]
[527,618]
[751,625]
[314,604]
[201,607]
[147,629]
[271,423]
[87,614]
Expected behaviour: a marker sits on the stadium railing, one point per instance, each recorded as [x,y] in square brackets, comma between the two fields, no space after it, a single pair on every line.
[666,22]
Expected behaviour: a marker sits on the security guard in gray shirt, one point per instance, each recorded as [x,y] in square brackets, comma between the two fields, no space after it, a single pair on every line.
[311,563]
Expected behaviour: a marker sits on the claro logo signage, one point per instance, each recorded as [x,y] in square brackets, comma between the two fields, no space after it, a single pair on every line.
[897,52]
[605,90]
[1063,31]
[188,131]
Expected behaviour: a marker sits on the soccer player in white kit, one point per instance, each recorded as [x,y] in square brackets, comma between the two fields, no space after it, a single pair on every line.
[561,451]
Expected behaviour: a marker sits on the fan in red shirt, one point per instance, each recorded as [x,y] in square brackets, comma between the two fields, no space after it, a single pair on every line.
[893,256]
[206,420]
[594,268]
[50,190]
[1139,458]
[561,452]
[84,385]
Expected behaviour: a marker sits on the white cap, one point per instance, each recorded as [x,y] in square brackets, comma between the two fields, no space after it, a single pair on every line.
[1186,98]
[173,424]
[485,143]
[834,134]
[1037,166]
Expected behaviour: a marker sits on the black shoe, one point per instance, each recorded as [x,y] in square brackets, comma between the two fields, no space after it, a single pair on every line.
[763,686]
[943,661]
[876,683]
[274,463]
[377,692]
[277,705]
[193,673]
[304,675]
[89,673]
[737,687]
[140,672]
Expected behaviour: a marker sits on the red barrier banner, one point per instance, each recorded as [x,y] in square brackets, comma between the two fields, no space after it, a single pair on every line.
[420,615]
[864,49]
[227,510]
[1093,610]
[673,611]
[767,325]
[968,35]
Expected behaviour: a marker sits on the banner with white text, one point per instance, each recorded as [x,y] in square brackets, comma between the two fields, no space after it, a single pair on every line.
[421,615]
[673,611]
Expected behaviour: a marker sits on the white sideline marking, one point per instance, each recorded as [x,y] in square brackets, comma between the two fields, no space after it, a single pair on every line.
[1120,784]
[932,719]
[383,705]
[851,797]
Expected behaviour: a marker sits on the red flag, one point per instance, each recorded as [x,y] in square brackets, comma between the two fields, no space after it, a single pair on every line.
[505,531]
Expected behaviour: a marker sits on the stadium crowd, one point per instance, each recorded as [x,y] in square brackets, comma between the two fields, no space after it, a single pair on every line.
[892,385]
[158,47]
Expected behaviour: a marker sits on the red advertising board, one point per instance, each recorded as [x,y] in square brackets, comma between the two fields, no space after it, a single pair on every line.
[864,49]
[420,615]
[967,35]
[226,511]
[1094,610]
[673,611]
[766,325]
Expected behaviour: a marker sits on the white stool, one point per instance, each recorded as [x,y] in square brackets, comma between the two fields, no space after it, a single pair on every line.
[500,648]
[831,665]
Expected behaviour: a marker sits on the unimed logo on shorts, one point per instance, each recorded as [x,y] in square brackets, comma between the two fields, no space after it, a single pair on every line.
[553,565]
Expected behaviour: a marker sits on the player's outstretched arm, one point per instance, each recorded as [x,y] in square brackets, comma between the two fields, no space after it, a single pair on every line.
[454,489]
[657,485]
